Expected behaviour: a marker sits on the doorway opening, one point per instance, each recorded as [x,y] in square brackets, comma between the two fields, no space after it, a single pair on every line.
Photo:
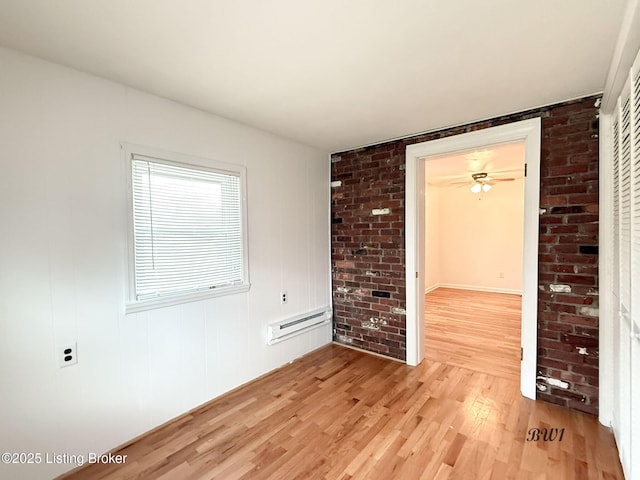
[529,133]
[474,216]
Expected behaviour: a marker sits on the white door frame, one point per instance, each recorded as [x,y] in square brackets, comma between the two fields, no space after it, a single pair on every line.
[528,131]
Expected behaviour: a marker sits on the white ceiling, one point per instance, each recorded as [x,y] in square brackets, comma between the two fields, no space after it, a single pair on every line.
[498,161]
[334,74]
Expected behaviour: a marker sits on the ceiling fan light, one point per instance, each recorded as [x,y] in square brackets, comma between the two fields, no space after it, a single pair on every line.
[485,187]
[476,187]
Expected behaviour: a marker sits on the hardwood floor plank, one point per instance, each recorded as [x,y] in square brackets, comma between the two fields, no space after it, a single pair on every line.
[339,413]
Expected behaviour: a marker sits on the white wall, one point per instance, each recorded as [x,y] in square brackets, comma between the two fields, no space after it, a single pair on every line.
[477,239]
[63,268]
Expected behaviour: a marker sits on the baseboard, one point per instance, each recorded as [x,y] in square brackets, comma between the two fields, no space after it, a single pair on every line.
[477,288]
[431,288]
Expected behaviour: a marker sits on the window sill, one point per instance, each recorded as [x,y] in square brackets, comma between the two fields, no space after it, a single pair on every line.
[152,304]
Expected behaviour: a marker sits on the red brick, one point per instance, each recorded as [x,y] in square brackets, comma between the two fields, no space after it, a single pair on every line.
[564,229]
[580,300]
[592,208]
[553,181]
[584,370]
[579,239]
[344,264]
[578,279]
[578,320]
[567,170]
[550,336]
[550,363]
[569,357]
[561,268]
[584,199]
[546,219]
[559,307]
[566,248]
[552,200]
[569,129]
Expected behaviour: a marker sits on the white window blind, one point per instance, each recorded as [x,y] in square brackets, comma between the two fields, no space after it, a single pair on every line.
[188,230]
[625,204]
[616,207]
[635,200]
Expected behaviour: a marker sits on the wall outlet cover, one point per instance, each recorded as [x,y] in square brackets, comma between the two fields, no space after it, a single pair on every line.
[67,354]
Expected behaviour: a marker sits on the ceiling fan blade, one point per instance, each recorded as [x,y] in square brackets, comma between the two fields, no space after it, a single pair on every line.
[507,170]
[449,178]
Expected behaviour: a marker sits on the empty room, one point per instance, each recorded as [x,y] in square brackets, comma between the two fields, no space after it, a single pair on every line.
[232,247]
[474,225]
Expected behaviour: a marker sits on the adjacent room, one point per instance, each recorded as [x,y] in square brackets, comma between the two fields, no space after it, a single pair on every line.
[474,219]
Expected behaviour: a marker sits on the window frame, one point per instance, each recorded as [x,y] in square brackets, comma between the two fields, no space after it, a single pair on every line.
[131,152]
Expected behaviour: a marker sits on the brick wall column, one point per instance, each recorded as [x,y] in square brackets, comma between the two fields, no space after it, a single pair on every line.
[568,258]
[368,250]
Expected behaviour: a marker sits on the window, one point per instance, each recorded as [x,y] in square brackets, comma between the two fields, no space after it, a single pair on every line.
[187,229]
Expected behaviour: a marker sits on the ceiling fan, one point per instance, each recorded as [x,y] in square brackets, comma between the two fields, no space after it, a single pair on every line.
[482,182]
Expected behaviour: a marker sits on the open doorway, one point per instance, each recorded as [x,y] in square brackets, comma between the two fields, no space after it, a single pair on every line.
[474,216]
[528,132]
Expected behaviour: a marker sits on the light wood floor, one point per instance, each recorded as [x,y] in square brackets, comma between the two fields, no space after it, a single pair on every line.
[338,413]
[475,330]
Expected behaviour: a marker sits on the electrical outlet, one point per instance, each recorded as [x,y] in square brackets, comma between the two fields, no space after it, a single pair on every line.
[284,297]
[68,355]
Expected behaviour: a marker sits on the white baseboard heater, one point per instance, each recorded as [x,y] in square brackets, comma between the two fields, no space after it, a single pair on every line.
[290,327]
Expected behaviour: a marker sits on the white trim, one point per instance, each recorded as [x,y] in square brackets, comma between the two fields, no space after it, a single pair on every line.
[605,273]
[627,47]
[143,305]
[414,252]
[330,249]
[528,131]
[432,288]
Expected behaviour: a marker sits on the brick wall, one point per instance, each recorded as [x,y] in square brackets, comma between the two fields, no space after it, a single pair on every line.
[568,260]
[368,249]
[368,256]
